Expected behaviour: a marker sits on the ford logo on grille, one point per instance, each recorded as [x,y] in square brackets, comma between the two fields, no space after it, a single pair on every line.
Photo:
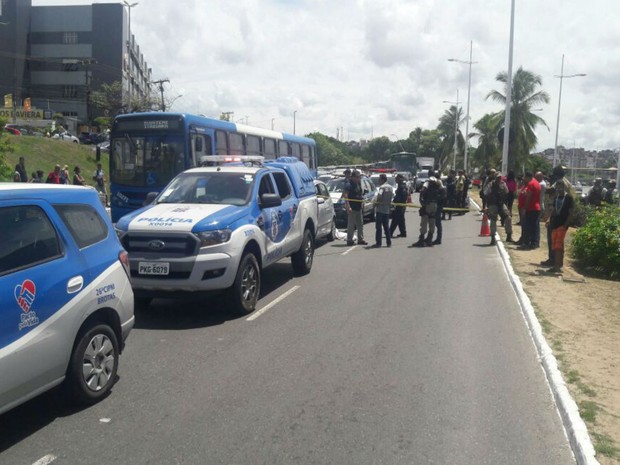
[156,245]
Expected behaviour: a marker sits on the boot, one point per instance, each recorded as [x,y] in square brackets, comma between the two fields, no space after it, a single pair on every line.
[437,241]
[493,241]
[420,242]
[509,238]
[429,240]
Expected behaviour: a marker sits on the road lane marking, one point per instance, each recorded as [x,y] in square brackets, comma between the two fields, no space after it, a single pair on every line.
[347,251]
[45,460]
[258,313]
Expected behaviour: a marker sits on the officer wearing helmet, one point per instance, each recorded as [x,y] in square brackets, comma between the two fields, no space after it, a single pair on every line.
[429,197]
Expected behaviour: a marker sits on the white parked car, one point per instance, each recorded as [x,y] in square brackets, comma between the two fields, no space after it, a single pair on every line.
[326,227]
[66,137]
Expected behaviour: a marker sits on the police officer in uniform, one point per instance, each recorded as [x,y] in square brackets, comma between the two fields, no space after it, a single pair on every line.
[439,214]
[496,192]
[353,196]
[398,215]
[429,196]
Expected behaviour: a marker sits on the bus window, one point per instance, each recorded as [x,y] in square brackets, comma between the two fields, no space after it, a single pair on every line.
[282,148]
[313,162]
[220,143]
[295,150]
[269,149]
[253,145]
[305,156]
[235,144]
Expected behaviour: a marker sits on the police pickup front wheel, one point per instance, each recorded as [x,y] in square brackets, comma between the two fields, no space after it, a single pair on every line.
[303,258]
[246,288]
[93,365]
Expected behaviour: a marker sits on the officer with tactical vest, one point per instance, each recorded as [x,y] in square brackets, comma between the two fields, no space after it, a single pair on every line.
[429,196]
[495,192]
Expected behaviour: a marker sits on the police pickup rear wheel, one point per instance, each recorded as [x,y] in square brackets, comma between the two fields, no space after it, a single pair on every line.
[93,365]
[303,258]
[246,288]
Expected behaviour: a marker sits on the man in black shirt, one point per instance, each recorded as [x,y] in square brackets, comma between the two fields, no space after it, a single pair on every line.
[558,223]
[398,215]
[21,169]
[353,196]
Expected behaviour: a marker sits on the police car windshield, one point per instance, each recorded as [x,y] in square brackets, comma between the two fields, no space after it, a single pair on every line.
[335,185]
[209,188]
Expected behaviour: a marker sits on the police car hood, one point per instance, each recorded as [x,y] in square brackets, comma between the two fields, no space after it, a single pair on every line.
[184,217]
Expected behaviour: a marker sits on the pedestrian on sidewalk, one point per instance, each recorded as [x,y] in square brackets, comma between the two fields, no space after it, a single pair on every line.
[562,209]
[532,213]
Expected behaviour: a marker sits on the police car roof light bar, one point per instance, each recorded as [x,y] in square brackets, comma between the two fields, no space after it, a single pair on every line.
[214,160]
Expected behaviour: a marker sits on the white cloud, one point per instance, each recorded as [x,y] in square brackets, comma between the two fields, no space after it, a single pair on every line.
[380,66]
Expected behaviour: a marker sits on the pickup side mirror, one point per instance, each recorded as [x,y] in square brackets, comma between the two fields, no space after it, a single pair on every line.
[150,197]
[270,200]
[321,200]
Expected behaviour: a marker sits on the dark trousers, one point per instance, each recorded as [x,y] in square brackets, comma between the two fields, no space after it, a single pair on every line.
[549,244]
[438,222]
[382,222]
[398,220]
[532,225]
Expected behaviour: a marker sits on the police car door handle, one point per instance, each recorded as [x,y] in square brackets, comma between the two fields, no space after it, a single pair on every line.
[279,214]
[75,284]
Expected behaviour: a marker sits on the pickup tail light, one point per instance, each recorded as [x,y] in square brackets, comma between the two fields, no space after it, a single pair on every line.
[123,257]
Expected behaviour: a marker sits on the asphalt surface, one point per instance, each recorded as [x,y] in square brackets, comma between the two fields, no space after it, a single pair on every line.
[382,356]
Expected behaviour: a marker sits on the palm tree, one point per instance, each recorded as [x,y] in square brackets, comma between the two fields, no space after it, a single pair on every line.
[446,130]
[488,153]
[523,122]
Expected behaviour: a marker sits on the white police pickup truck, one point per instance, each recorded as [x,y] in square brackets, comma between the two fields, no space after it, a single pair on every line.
[216,228]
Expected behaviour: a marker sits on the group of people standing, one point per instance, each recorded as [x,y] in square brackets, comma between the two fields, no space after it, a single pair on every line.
[434,198]
[61,175]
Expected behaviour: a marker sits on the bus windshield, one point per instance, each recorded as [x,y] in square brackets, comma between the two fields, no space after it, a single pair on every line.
[209,188]
[152,160]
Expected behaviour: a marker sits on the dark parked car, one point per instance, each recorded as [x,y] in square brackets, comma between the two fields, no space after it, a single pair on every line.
[336,186]
[91,138]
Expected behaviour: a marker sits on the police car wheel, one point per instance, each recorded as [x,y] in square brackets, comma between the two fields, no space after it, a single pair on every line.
[94,362]
[303,258]
[246,288]
[332,233]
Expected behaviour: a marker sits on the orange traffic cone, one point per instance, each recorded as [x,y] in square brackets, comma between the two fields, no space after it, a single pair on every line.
[485,229]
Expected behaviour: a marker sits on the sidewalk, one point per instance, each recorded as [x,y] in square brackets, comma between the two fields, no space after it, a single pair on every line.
[580,316]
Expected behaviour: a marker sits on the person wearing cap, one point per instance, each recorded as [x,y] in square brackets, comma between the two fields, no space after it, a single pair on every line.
[429,196]
[496,192]
[597,194]
[398,215]
[561,211]
[383,202]
[353,201]
[439,214]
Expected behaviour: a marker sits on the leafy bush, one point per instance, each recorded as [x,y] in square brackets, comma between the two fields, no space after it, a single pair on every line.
[597,243]
[581,212]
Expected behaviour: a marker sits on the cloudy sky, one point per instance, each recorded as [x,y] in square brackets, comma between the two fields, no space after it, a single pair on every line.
[380,67]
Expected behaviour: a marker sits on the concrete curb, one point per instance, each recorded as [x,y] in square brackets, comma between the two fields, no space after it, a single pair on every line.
[574,426]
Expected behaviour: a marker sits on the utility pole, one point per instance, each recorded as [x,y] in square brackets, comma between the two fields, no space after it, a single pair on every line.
[228,115]
[161,90]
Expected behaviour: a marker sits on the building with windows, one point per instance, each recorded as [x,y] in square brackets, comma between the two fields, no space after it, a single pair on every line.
[55,56]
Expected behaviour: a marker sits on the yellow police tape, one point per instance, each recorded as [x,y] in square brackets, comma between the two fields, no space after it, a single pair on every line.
[448,209]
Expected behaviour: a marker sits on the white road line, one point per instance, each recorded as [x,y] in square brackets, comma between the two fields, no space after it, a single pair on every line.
[347,251]
[258,313]
[45,460]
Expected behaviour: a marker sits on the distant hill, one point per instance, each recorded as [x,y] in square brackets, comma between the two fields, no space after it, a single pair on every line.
[41,153]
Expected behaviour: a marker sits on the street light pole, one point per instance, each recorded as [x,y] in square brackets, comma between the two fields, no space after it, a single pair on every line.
[294,122]
[508,91]
[470,62]
[557,124]
[129,7]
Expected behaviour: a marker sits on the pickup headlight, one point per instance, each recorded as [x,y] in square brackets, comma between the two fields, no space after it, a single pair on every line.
[119,232]
[209,238]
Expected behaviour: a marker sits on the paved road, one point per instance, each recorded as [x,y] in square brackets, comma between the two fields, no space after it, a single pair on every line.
[389,356]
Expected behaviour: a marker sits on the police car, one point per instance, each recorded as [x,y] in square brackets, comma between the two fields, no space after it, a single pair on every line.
[216,228]
[66,303]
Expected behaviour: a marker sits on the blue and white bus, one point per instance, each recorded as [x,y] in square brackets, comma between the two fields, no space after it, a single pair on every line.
[147,150]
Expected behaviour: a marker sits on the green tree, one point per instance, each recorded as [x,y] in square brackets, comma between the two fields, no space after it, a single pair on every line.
[109,99]
[6,172]
[378,149]
[525,97]
[487,154]
[451,117]
[330,151]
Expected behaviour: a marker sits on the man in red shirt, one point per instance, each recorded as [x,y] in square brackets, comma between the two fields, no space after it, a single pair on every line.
[532,212]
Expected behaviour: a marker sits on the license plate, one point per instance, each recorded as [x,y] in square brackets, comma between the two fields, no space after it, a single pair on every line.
[153,268]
